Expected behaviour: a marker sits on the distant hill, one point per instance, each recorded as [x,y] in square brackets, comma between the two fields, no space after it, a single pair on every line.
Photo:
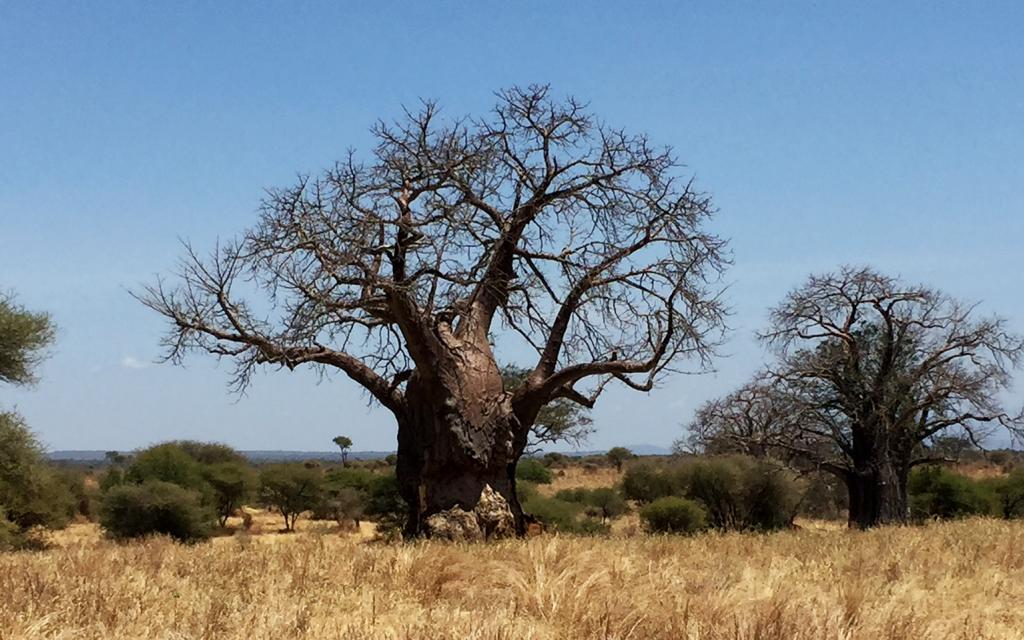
[89,455]
[256,456]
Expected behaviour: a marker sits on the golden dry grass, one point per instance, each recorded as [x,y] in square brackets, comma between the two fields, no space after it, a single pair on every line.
[954,580]
[574,477]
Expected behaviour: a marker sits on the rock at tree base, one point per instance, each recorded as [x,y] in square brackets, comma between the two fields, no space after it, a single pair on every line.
[491,519]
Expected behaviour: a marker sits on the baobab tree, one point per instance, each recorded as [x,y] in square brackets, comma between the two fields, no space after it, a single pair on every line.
[534,223]
[871,376]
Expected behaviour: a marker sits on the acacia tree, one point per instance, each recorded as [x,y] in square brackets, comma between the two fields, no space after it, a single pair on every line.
[24,338]
[872,375]
[344,443]
[534,221]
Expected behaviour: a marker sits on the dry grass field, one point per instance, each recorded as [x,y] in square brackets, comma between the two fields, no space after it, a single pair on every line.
[955,580]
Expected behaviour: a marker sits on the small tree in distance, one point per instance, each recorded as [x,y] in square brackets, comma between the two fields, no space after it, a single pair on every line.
[344,443]
[232,484]
[618,456]
[290,489]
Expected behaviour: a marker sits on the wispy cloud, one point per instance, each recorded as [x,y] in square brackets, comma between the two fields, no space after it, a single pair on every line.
[131,362]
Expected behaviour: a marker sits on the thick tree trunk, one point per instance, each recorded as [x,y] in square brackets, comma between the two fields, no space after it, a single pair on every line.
[878,493]
[458,437]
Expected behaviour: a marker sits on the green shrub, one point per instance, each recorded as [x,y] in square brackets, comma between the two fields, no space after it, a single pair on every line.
[562,516]
[645,483]
[386,505]
[1008,494]
[231,484]
[167,462]
[673,515]
[555,460]
[739,492]
[340,505]
[209,452]
[32,494]
[291,489]
[112,477]
[83,499]
[526,491]
[353,478]
[935,492]
[578,495]
[532,470]
[604,502]
[12,537]
[134,510]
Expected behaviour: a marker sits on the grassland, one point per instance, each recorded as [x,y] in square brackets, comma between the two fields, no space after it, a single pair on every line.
[954,580]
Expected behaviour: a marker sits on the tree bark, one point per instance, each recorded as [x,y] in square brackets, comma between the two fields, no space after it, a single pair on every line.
[456,437]
[878,493]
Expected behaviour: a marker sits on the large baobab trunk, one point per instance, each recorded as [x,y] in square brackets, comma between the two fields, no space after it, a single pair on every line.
[878,492]
[457,437]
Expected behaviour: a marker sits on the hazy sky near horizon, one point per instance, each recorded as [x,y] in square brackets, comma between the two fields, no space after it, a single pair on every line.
[883,133]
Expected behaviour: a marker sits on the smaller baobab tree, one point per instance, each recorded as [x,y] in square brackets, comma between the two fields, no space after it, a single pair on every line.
[744,421]
[871,376]
[344,443]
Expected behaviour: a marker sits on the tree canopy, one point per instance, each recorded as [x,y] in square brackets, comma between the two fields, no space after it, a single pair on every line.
[871,377]
[583,239]
[24,337]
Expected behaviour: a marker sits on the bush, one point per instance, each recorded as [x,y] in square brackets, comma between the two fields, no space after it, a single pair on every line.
[83,498]
[562,516]
[209,452]
[112,477]
[341,505]
[1008,493]
[645,483]
[353,493]
[167,462]
[740,493]
[131,510]
[231,484]
[291,489]
[353,478]
[526,491]
[935,492]
[31,493]
[532,470]
[555,460]
[12,537]
[386,504]
[604,502]
[673,515]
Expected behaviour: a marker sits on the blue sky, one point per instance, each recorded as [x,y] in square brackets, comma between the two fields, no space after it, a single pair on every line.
[881,133]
